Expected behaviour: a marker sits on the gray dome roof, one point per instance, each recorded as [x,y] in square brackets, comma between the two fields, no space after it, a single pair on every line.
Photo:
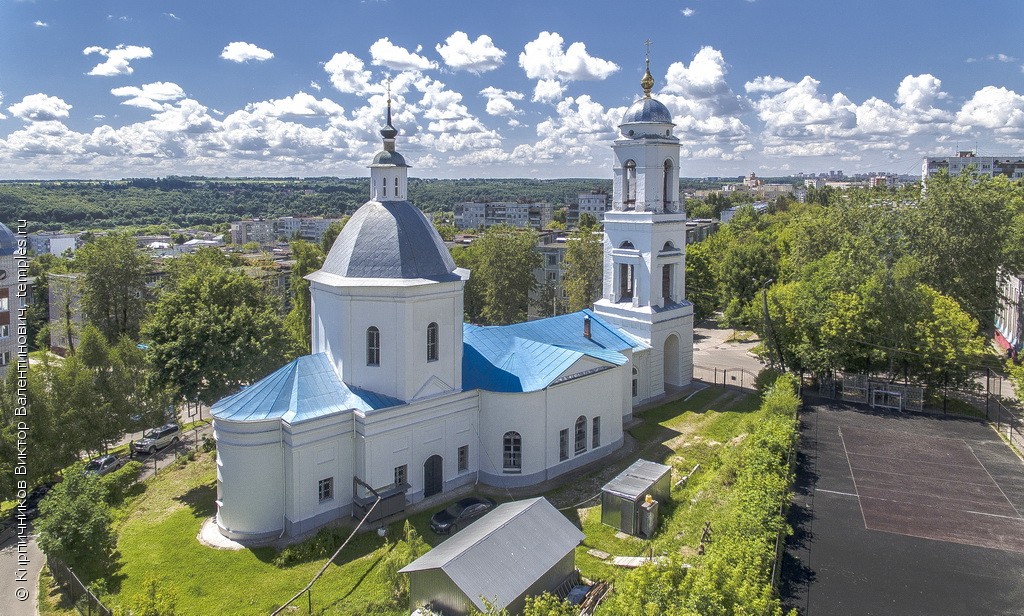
[390,239]
[385,157]
[8,241]
[647,110]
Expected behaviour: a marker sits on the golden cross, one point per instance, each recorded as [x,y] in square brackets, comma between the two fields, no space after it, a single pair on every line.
[648,43]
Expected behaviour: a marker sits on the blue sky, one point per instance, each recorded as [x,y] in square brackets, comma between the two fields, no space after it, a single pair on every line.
[500,89]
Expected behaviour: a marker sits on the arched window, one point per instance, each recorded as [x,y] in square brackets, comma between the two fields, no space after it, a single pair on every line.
[581,434]
[666,283]
[629,183]
[396,187]
[432,342]
[667,192]
[373,347]
[512,445]
[627,246]
[385,184]
[668,247]
[635,373]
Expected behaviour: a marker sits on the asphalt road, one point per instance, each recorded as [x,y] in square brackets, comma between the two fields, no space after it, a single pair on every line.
[19,580]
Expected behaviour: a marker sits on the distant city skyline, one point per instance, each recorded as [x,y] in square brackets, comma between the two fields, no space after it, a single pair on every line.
[117,89]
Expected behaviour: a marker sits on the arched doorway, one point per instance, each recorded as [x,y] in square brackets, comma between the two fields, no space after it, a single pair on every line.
[672,370]
[432,476]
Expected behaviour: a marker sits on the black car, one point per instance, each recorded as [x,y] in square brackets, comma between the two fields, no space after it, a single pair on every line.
[459,514]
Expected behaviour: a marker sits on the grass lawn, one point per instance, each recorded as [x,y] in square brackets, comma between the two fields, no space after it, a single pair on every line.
[51,601]
[157,527]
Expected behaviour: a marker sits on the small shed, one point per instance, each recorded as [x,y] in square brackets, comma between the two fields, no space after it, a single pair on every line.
[520,549]
[622,498]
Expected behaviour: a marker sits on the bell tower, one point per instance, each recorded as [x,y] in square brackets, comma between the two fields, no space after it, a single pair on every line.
[644,290]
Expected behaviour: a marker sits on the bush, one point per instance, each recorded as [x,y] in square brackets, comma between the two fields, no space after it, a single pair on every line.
[120,481]
[207,445]
[765,379]
[322,545]
[75,524]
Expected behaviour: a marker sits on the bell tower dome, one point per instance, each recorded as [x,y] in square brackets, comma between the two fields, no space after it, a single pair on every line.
[389,175]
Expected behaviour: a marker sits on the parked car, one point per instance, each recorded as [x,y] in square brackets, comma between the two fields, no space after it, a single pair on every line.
[33,499]
[104,464]
[459,514]
[157,438]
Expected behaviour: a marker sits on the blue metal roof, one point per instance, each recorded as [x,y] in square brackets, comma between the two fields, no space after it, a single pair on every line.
[304,389]
[530,356]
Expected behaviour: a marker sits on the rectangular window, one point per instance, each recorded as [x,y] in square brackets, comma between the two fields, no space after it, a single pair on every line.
[4,304]
[597,432]
[401,474]
[552,259]
[464,458]
[373,347]
[5,358]
[326,489]
[5,330]
[563,445]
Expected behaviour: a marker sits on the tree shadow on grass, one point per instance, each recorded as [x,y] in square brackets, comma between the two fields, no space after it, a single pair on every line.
[201,500]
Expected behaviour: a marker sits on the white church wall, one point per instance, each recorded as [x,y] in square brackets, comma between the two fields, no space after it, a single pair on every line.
[251,485]
[320,449]
[524,413]
[411,434]
[598,395]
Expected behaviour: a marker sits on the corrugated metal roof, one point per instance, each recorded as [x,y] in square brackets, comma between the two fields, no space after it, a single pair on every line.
[530,356]
[303,389]
[502,554]
[636,480]
[392,239]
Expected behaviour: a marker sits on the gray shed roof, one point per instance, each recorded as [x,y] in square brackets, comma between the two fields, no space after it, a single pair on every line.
[390,239]
[502,554]
[636,480]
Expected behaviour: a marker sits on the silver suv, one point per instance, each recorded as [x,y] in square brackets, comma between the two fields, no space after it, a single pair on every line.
[157,438]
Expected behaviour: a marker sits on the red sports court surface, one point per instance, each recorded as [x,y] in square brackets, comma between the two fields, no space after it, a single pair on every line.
[930,487]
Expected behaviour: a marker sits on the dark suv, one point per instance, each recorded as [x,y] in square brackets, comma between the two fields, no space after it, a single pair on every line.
[459,514]
[157,438]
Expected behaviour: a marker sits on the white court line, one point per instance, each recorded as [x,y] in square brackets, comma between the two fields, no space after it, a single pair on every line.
[835,492]
[994,515]
[853,477]
[1014,507]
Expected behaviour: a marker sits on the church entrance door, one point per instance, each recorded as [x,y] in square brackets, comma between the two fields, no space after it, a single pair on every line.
[432,479]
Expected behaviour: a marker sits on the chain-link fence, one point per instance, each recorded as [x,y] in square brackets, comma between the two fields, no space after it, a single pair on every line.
[83,599]
[739,378]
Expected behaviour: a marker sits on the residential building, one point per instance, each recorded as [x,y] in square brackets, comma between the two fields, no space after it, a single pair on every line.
[474,215]
[66,317]
[48,242]
[285,228]
[1011,166]
[1009,332]
[10,302]
[594,203]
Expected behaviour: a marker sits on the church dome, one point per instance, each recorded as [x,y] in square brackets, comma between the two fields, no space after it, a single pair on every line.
[385,157]
[647,110]
[390,239]
[8,241]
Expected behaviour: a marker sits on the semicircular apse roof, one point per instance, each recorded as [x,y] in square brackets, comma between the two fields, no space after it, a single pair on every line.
[390,239]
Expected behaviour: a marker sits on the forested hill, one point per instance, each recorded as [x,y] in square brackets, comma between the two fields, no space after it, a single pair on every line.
[184,202]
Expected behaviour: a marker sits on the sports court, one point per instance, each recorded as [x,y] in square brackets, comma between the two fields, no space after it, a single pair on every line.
[900,513]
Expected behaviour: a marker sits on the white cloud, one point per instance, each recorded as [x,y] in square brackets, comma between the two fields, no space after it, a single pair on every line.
[40,108]
[40,24]
[314,85]
[172,16]
[919,92]
[479,56]
[703,105]
[548,91]
[994,108]
[243,52]
[118,59]
[151,95]
[2,116]
[499,102]
[451,127]
[688,12]
[301,104]
[347,73]
[385,53]
[767,83]
[544,58]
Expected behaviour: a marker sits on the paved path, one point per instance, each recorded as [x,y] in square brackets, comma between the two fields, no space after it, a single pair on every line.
[19,580]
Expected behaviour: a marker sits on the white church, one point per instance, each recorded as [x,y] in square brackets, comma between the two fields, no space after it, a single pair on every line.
[400,395]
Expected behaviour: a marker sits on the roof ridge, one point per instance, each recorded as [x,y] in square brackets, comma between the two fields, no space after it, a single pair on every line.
[477,541]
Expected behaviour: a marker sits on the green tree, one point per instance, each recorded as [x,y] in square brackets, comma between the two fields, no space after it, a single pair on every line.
[333,231]
[505,260]
[584,267]
[701,285]
[548,604]
[473,294]
[38,313]
[114,286]
[213,329]
[308,259]
[405,550]
[75,523]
